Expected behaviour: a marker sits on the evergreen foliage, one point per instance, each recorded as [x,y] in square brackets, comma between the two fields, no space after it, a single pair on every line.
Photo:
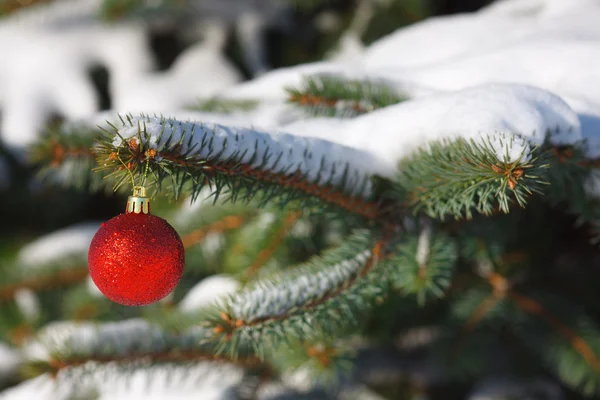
[486,253]
[286,316]
[333,96]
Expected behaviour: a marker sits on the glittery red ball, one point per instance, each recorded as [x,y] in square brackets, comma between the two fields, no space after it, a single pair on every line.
[136,259]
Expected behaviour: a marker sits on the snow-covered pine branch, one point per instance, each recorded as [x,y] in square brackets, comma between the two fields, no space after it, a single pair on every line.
[243,161]
[326,293]
[124,342]
[55,260]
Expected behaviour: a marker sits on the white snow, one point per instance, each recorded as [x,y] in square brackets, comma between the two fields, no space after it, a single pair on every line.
[209,291]
[482,112]
[10,361]
[32,94]
[551,44]
[51,337]
[28,303]
[202,70]
[92,288]
[73,240]
[111,381]
[205,380]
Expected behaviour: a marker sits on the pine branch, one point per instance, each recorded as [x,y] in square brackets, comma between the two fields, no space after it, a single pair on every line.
[456,177]
[474,308]
[323,294]
[130,341]
[114,10]
[424,266]
[266,253]
[569,170]
[224,106]
[325,360]
[66,155]
[569,344]
[576,357]
[181,157]
[333,96]
[65,273]
[256,244]
[9,6]
[309,5]
[144,379]
[227,223]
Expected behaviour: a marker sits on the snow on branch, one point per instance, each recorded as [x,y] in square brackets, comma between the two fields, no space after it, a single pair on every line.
[325,293]
[124,342]
[139,380]
[66,155]
[54,260]
[168,152]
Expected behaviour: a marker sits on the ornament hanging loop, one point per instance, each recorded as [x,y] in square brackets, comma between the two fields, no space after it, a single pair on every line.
[138,202]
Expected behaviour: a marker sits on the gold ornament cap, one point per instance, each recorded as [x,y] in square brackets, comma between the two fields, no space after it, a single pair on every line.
[138,203]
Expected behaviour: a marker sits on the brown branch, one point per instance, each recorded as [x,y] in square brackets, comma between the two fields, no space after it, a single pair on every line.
[59,152]
[322,354]
[169,356]
[579,344]
[475,318]
[10,6]
[227,223]
[265,254]
[313,100]
[60,278]
[502,288]
[296,181]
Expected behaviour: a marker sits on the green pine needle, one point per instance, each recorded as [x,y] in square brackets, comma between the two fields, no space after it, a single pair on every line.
[332,96]
[424,266]
[455,177]
[224,106]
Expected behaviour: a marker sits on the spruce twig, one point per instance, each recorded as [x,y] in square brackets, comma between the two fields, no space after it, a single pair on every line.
[185,157]
[332,96]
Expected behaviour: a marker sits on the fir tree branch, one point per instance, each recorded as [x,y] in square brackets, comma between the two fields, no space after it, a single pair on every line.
[229,222]
[324,359]
[9,6]
[244,163]
[57,363]
[333,96]
[132,341]
[50,278]
[588,380]
[456,177]
[486,304]
[224,106]
[579,344]
[302,300]
[114,10]
[66,155]
[424,266]
[267,252]
[569,170]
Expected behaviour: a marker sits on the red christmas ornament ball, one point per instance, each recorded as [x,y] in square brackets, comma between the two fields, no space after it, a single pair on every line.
[136,259]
